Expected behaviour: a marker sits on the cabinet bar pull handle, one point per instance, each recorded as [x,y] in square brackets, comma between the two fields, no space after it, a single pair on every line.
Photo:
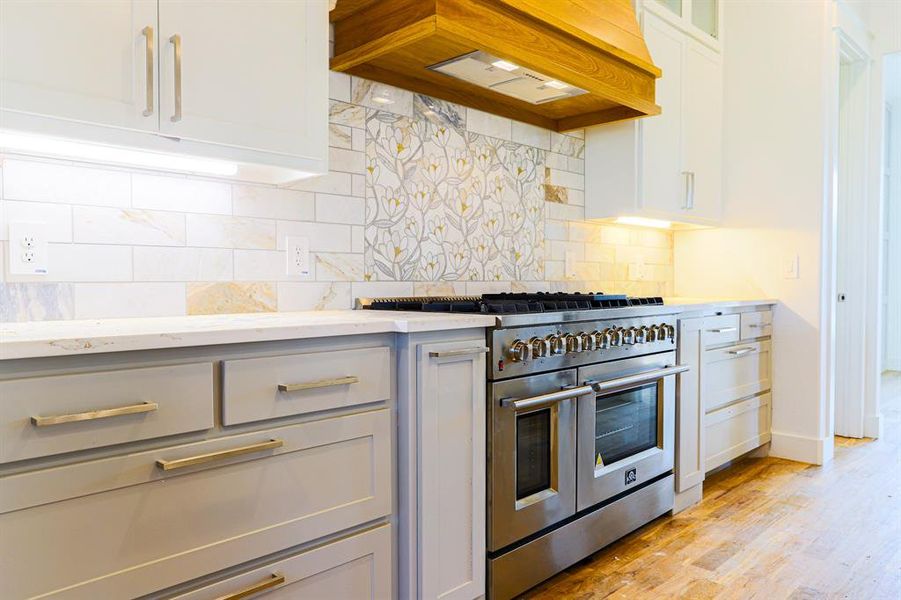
[460,352]
[180,463]
[176,42]
[148,35]
[723,330]
[685,192]
[92,415]
[322,383]
[691,190]
[741,351]
[274,581]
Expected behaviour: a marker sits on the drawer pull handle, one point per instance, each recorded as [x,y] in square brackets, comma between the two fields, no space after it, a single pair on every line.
[274,581]
[91,415]
[723,330]
[740,351]
[322,383]
[180,463]
[460,352]
[758,325]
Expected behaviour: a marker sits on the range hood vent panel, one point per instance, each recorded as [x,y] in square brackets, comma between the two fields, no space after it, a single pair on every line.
[561,64]
[480,68]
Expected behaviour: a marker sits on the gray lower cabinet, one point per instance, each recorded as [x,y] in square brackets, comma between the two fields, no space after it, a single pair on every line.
[725,400]
[296,504]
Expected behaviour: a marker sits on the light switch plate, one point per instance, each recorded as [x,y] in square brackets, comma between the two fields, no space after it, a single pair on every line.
[297,251]
[790,267]
[27,248]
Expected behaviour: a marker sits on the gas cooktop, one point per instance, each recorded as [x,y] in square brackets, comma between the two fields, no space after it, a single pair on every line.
[505,304]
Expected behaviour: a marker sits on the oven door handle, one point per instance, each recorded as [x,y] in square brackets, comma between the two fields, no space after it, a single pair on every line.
[637,379]
[567,393]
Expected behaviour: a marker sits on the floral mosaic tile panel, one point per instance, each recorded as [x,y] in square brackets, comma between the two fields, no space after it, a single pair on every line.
[446,204]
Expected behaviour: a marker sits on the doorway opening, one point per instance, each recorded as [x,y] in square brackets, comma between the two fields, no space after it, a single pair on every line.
[891,214]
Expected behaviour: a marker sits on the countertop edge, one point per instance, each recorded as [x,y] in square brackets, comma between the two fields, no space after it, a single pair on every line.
[189,332]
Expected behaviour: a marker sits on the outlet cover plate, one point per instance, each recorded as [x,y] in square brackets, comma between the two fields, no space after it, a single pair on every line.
[27,248]
[297,255]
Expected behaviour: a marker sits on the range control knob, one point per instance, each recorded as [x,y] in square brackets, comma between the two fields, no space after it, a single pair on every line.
[641,335]
[616,336]
[555,344]
[538,347]
[519,351]
[670,332]
[572,342]
[587,341]
[654,333]
[629,336]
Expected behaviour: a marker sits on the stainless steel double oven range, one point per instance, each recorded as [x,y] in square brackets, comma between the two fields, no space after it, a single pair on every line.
[581,434]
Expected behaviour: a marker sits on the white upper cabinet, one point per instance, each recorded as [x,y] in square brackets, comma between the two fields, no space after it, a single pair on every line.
[669,166]
[242,83]
[700,18]
[702,117]
[251,73]
[81,61]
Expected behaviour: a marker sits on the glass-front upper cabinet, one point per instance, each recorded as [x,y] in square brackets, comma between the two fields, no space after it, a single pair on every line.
[704,16]
[701,18]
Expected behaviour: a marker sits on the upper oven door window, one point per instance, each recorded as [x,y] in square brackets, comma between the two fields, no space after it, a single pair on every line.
[626,423]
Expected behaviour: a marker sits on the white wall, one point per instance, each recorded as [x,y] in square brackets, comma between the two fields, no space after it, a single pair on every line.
[891,325]
[775,135]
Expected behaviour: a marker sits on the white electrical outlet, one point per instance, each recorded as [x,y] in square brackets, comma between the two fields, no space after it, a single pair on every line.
[297,250]
[790,267]
[569,265]
[27,248]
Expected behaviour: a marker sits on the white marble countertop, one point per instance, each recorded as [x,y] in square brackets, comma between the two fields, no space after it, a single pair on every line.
[62,338]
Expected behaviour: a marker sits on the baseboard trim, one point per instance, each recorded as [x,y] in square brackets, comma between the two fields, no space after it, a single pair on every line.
[816,451]
[688,498]
[872,426]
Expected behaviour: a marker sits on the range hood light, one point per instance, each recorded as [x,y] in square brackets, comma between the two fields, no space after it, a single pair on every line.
[557,85]
[643,222]
[63,148]
[504,65]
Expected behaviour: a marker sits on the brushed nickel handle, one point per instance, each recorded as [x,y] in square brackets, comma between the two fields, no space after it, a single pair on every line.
[741,351]
[685,191]
[460,352]
[176,43]
[274,580]
[92,415]
[148,36]
[321,383]
[567,393]
[180,463]
[723,330]
[691,190]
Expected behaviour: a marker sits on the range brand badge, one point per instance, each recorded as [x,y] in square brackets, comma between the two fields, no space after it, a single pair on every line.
[631,476]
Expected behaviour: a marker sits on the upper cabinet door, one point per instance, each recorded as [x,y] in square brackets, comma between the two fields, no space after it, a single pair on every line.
[246,74]
[662,189]
[80,60]
[703,135]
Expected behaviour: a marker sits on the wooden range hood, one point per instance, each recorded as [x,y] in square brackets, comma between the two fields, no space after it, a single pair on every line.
[565,64]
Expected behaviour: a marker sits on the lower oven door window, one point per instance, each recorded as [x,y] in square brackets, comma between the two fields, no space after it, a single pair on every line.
[533,452]
[625,424]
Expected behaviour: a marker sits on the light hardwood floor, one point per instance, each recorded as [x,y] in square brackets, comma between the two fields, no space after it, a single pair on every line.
[768,528]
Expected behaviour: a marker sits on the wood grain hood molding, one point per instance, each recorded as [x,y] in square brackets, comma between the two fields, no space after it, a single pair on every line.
[595,45]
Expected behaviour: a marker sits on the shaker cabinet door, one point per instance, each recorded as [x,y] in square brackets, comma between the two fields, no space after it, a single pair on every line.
[80,60]
[246,74]
[451,406]
[703,135]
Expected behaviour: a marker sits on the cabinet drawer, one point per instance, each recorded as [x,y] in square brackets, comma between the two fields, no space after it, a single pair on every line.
[735,372]
[721,330]
[40,416]
[756,324]
[124,526]
[265,388]
[736,429]
[357,567]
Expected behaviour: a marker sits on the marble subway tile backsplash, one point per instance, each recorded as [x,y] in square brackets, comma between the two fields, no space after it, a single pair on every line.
[424,197]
